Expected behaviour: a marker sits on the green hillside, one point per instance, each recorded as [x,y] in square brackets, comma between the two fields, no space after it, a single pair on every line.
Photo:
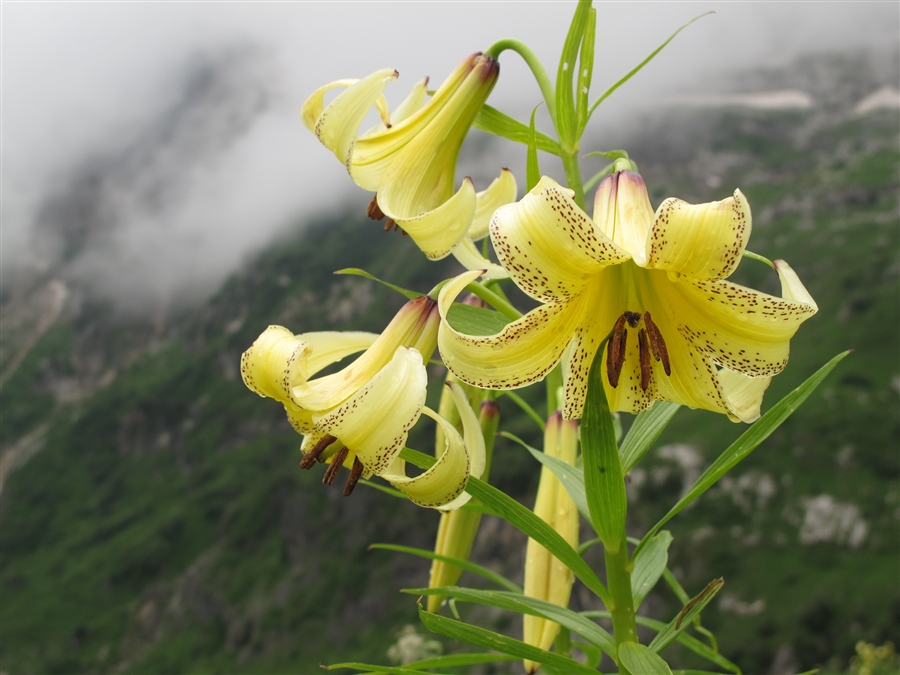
[154,519]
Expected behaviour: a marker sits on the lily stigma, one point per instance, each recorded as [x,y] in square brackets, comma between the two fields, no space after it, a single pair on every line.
[409,159]
[650,286]
[359,417]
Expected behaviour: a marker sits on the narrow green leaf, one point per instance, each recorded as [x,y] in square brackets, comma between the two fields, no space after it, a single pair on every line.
[383,488]
[532,167]
[584,546]
[748,441]
[356,272]
[516,602]
[501,643]
[375,668]
[643,63]
[676,587]
[670,632]
[647,427]
[585,70]
[456,660]
[571,477]
[712,672]
[525,407]
[604,480]
[467,565]
[592,655]
[649,565]
[683,638]
[640,659]
[500,124]
[475,320]
[565,105]
[609,154]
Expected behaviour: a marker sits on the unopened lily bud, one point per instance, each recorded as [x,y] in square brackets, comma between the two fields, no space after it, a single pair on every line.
[546,578]
[457,529]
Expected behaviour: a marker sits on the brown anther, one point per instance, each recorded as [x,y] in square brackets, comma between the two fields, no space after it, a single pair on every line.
[645,359]
[374,211]
[657,344]
[390,225]
[633,318]
[313,455]
[336,463]
[615,352]
[355,474]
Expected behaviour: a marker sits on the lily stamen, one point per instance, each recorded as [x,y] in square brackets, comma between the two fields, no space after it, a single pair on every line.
[615,351]
[355,474]
[657,344]
[373,210]
[644,349]
[313,455]
[336,463]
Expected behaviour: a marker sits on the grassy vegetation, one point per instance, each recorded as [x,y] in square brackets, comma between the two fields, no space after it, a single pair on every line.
[165,526]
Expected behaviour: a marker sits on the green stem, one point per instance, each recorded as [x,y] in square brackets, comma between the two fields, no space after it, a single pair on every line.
[573,174]
[500,304]
[553,383]
[532,61]
[618,580]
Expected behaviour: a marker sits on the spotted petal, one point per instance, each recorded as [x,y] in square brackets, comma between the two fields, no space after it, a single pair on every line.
[548,244]
[521,354]
[743,394]
[702,241]
[337,125]
[436,232]
[375,421]
[502,191]
[738,328]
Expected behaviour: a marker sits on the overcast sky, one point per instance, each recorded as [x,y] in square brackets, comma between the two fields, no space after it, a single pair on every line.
[167,136]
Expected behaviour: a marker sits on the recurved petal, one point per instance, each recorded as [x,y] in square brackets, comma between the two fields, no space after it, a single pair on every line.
[468,255]
[275,362]
[548,244]
[412,103]
[315,104]
[445,481]
[791,287]
[502,191]
[737,327]
[337,125]
[436,232]
[743,394]
[375,421]
[702,241]
[473,439]
[522,353]
[327,347]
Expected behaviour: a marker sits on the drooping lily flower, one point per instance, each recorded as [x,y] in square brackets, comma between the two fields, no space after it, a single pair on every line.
[654,284]
[409,160]
[359,417]
[546,578]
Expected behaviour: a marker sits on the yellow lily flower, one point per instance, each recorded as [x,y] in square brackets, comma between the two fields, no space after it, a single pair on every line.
[695,338]
[359,417]
[409,160]
[546,578]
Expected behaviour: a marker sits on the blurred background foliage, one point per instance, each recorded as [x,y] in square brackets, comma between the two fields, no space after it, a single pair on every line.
[153,518]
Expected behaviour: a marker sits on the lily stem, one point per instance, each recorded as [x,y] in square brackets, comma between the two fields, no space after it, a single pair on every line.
[618,580]
[532,61]
[573,174]
[497,302]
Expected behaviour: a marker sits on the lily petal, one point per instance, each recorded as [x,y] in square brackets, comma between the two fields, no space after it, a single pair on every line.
[327,347]
[445,481]
[274,363]
[474,442]
[436,232]
[521,354]
[791,287]
[375,421]
[702,241]
[743,394]
[738,328]
[502,191]
[337,125]
[548,244]
[623,212]
[468,255]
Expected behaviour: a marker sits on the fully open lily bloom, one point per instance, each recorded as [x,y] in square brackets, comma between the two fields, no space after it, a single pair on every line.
[652,283]
[409,159]
[359,417]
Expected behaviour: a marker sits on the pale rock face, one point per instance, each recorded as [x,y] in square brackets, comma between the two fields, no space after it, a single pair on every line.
[826,520]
